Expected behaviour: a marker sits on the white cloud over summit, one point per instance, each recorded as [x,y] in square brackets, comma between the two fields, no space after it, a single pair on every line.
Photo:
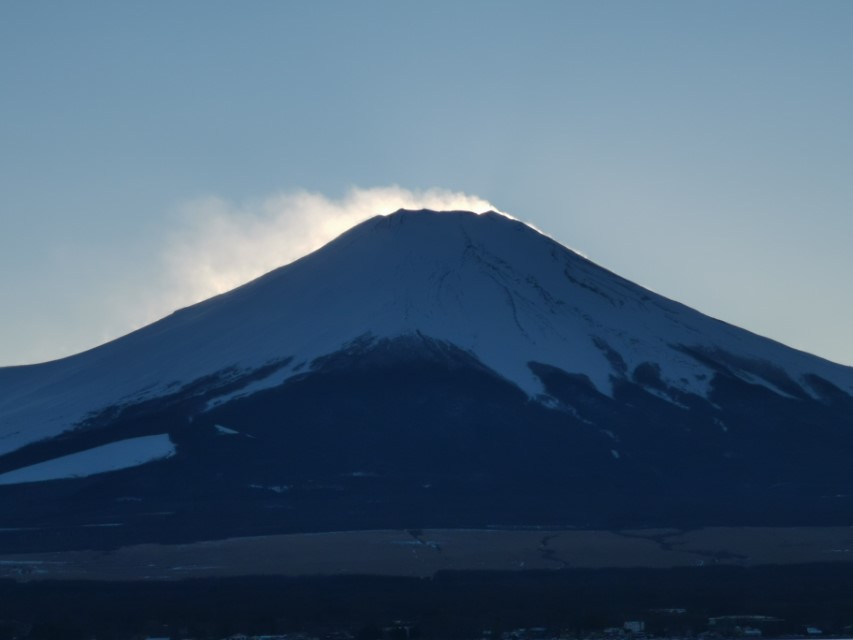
[219,245]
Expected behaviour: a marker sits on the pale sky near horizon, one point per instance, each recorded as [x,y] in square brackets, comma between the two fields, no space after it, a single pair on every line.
[151,152]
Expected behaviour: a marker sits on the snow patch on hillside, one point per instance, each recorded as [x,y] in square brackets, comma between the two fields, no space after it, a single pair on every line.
[122,454]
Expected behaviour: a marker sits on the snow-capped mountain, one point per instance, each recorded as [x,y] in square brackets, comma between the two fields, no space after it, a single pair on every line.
[427,368]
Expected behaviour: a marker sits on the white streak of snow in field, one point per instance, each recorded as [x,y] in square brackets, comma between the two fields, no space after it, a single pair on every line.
[276,488]
[109,457]
[225,431]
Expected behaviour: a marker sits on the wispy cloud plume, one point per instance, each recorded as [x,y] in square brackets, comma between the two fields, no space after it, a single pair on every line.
[209,246]
[219,245]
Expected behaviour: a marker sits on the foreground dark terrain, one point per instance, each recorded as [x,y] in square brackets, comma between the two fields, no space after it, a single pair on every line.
[571,603]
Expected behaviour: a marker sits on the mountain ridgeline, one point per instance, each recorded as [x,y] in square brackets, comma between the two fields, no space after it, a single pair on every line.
[423,370]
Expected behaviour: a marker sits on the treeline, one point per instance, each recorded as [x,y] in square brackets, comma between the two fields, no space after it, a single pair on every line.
[449,605]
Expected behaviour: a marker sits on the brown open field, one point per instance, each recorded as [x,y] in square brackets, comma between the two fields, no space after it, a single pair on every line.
[423,553]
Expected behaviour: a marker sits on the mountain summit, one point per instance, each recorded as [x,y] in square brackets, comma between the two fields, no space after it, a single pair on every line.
[425,369]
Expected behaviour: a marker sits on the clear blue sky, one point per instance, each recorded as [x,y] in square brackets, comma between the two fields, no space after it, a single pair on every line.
[703,149]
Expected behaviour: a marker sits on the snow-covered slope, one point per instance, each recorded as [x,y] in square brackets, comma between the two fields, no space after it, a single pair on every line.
[487,284]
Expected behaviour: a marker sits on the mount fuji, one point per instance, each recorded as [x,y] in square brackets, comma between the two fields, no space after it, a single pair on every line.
[424,369]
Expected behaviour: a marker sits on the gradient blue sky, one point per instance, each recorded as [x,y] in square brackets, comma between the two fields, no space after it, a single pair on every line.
[703,149]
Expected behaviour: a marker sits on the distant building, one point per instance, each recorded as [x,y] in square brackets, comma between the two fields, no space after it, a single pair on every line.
[634,626]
